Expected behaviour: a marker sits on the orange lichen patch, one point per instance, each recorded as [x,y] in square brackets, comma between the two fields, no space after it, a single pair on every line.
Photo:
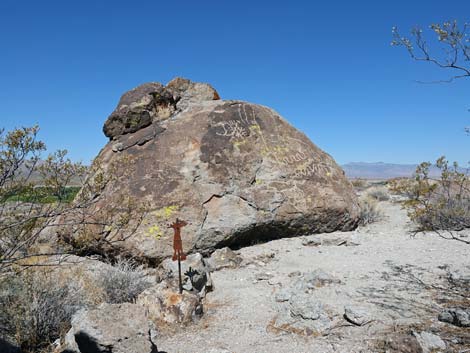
[216,96]
[173,299]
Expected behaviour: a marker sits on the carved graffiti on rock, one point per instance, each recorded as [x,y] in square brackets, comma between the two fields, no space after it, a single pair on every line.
[232,128]
[302,161]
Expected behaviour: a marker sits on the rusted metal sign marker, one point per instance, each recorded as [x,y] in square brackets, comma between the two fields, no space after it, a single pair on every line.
[178,253]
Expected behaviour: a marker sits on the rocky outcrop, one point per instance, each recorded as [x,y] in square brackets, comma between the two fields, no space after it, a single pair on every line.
[237,172]
[456,316]
[153,102]
[195,274]
[223,258]
[111,328]
[165,304]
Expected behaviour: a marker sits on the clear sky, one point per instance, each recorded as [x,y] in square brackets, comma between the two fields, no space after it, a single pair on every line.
[326,66]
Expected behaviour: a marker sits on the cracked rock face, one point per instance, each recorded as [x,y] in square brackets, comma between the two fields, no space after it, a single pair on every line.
[237,172]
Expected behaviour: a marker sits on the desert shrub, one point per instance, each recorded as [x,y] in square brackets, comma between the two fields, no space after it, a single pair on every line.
[378,193]
[123,282]
[359,184]
[37,199]
[401,186]
[370,213]
[41,194]
[36,308]
[440,204]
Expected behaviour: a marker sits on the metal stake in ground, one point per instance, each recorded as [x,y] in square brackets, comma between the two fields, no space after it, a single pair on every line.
[178,253]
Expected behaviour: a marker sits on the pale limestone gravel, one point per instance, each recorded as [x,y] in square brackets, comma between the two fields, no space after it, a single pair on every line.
[240,309]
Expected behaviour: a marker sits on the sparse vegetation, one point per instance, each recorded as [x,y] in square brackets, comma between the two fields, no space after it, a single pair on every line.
[36,305]
[442,204]
[359,184]
[370,212]
[35,308]
[42,194]
[123,282]
[438,204]
[378,193]
[28,211]
[401,186]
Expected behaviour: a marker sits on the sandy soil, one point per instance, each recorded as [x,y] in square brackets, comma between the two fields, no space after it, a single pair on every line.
[397,278]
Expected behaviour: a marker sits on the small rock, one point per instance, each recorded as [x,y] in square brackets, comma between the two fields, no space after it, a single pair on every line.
[303,306]
[429,342]
[456,316]
[263,276]
[357,316]
[275,280]
[460,278]
[319,278]
[334,241]
[117,147]
[402,343]
[311,242]
[309,314]
[194,270]
[164,303]
[283,295]
[295,274]
[223,258]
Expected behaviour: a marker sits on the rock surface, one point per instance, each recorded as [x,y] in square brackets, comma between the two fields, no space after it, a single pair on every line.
[237,172]
[111,328]
[195,274]
[223,258]
[356,315]
[456,316]
[164,304]
[379,275]
[429,342]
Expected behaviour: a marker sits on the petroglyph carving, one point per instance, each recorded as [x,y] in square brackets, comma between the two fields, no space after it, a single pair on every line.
[300,161]
[232,128]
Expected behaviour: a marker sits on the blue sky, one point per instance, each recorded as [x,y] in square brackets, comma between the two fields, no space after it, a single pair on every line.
[326,66]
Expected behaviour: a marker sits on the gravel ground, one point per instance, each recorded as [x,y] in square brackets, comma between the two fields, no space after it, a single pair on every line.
[395,278]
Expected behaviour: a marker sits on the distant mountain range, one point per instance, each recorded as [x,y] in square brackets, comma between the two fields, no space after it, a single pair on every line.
[382,170]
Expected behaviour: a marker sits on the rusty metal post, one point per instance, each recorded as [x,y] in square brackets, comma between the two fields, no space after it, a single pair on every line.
[178,253]
[179,274]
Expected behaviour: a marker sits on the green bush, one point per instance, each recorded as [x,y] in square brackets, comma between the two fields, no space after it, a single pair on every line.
[42,194]
[438,204]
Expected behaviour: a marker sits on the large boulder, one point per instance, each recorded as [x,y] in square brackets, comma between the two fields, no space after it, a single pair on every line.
[111,328]
[237,172]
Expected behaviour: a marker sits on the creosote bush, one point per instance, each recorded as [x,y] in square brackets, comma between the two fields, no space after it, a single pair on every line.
[370,213]
[123,282]
[36,308]
[378,193]
[401,186]
[359,184]
[438,204]
[37,303]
